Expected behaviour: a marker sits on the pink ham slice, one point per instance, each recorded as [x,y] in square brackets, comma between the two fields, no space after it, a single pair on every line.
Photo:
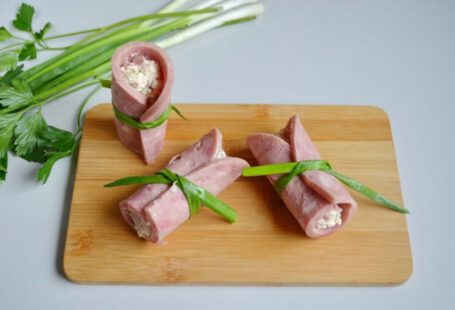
[205,150]
[313,195]
[156,210]
[145,108]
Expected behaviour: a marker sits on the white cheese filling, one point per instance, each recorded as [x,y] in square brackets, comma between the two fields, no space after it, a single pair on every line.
[330,220]
[221,154]
[140,225]
[143,77]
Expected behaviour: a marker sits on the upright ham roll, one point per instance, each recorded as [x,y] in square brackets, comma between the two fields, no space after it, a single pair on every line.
[142,80]
[156,210]
[317,200]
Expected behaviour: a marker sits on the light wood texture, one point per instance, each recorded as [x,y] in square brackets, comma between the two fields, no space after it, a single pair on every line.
[266,245]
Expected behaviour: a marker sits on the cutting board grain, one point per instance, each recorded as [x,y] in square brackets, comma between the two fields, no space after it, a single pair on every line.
[266,245]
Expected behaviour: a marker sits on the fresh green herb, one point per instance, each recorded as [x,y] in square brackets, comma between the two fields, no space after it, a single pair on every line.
[300,168]
[9,76]
[15,96]
[28,143]
[60,144]
[7,123]
[8,60]
[295,168]
[28,51]
[40,34]
[24,18]
[128,120]
[195,195]
[106,83]
[179,113]
[4,34]
[80,65]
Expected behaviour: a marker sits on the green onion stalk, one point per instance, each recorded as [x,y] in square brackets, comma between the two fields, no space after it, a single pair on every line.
[87,63]
[293,169]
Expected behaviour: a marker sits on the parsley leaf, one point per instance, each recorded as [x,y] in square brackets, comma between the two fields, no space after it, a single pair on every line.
[46,169]
[40,34]
[15,96]
[8,60]
[7,123]
[61,144]
[28,143]
[58,139]
[11,75]
[24,18]
[3,166]
[4,34]
[28,51]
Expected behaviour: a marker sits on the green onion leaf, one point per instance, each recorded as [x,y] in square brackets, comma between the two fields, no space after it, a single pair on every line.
[238,21]
[4,34]
[268,169]
[24,18]
[368,192]
[191,192]
[300,168]
[179,113]
[152,179]
[295,168]
[128,120]
[106,83]
[194,194]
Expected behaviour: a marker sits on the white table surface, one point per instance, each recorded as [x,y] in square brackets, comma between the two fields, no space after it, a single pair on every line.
[399,55]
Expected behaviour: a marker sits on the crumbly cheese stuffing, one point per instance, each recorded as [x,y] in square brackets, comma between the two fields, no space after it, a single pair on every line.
[332,219]
[141,226]
[221,154]
[143,77]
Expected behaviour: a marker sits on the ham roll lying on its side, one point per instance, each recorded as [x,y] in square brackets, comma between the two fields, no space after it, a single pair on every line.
[318,201]
[142,79]
[155,210]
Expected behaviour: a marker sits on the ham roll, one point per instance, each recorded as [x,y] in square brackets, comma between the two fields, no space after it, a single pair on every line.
[156,210]
[317,200]
[142,79]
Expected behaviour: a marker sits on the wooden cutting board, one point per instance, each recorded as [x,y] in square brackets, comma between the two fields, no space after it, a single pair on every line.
[266,245]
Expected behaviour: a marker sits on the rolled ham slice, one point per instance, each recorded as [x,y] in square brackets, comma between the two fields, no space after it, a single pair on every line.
[143,107]
[317,200]
[156,210]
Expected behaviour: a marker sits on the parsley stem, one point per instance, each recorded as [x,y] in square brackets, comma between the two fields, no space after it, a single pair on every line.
[19,39]
[83,105]
[71,34]
[11,46]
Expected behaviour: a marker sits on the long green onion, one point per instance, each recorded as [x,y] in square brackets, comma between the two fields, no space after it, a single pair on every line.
[195,195]
[293,169]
